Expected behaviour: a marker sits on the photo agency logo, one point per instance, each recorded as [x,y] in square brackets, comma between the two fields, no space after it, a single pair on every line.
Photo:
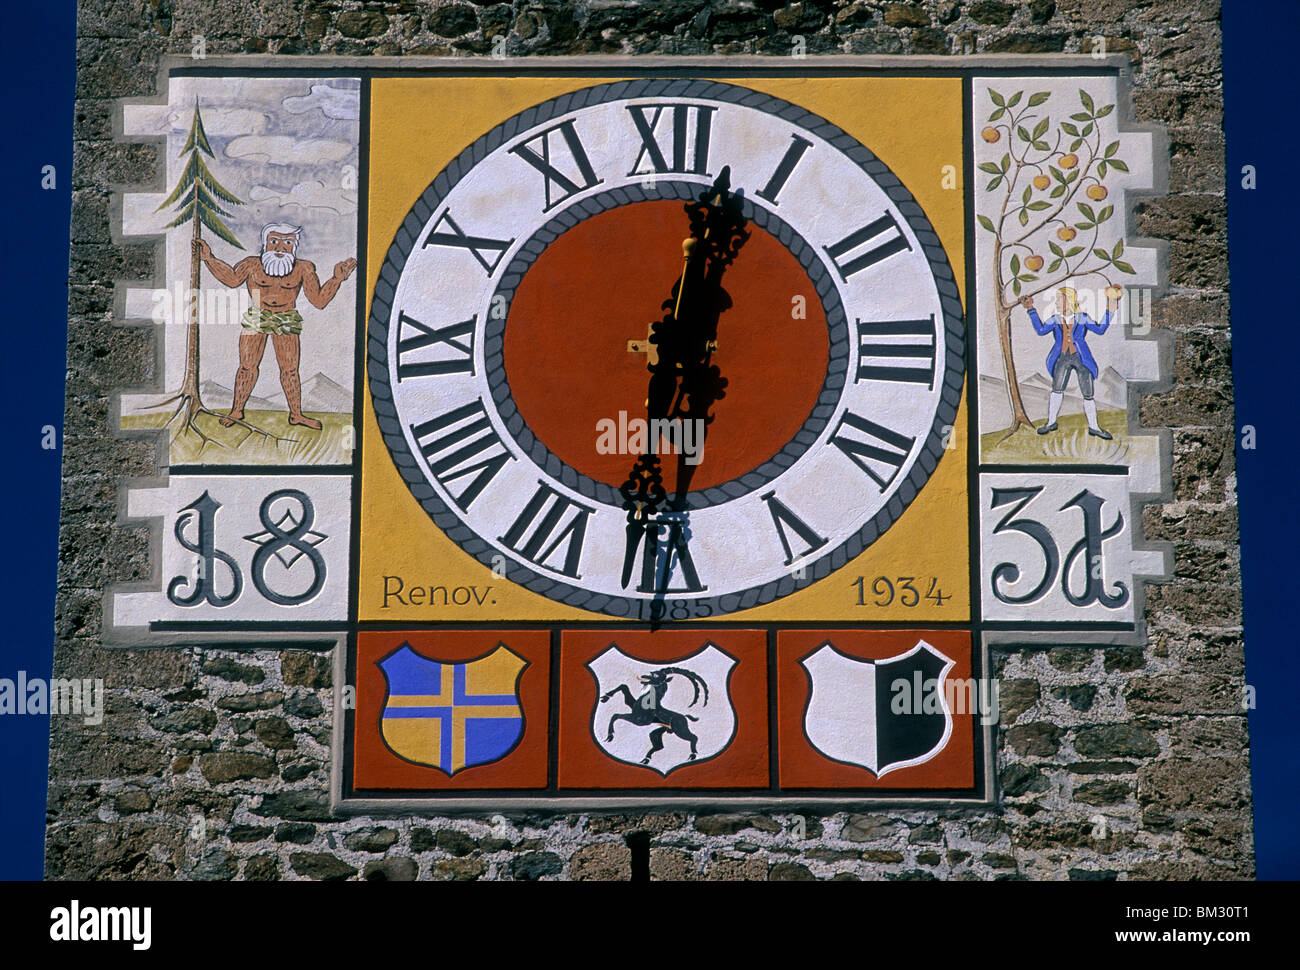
[61,696]
[210,306]
[75,923]
[923,695]
[656,436]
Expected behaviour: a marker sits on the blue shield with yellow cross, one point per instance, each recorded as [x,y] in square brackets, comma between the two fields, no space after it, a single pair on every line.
[452,715]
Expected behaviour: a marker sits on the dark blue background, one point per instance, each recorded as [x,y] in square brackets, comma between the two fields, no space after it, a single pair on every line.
[1260,93]
[38,46]
[40,71]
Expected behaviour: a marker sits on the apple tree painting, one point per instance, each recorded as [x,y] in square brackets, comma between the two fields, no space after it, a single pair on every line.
[1050,196]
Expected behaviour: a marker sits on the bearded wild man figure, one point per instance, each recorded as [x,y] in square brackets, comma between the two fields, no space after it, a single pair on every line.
[274,279]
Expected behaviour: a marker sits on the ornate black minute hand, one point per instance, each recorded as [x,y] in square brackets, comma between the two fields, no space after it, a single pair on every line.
[687,334]
[684,383]
[717,234]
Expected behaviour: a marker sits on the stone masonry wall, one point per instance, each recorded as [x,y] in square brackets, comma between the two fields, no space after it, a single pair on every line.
[214,764]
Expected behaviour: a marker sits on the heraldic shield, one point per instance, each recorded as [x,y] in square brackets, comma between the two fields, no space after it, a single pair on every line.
[452,716]
[663,715]
[878,714]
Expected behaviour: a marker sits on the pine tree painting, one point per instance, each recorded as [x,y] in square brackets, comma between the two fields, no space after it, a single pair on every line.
[197,198]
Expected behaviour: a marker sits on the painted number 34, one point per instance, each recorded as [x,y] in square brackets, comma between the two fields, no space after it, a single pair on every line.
[1088,546]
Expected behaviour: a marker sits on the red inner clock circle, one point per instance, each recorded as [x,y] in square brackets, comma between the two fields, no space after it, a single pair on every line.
[599,286]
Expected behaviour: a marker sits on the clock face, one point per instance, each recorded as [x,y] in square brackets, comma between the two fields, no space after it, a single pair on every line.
[520,317]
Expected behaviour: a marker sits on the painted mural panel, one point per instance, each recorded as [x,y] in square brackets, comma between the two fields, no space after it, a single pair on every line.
[684,436]
[258,223]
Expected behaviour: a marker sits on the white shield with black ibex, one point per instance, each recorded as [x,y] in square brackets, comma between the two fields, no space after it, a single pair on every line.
[663,715]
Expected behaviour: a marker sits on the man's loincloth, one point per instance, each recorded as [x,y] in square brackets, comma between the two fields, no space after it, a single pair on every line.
[260,320]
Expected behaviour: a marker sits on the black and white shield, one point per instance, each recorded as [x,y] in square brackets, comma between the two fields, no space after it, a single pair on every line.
[881,715]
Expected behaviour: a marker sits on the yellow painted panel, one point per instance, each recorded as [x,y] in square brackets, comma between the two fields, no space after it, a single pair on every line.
[418,125]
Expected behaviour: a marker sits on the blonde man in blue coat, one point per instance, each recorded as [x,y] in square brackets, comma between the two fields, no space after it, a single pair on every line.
[1070,353]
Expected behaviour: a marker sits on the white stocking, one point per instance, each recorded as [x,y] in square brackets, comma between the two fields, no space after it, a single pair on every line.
[1054,406]
[1090,409]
